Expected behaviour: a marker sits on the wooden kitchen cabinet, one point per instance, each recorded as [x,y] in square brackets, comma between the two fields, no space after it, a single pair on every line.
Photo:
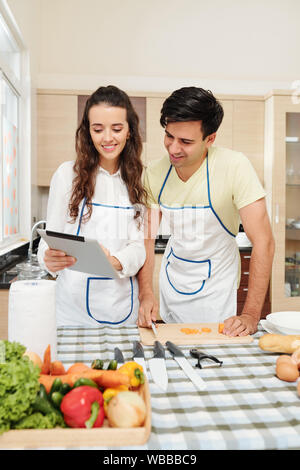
[4,313]
[282,181]
[242,129]
[57,123]
[155,133]
[248,131]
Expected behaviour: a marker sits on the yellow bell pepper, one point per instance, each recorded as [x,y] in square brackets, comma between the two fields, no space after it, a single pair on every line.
[135,373]
[111,392]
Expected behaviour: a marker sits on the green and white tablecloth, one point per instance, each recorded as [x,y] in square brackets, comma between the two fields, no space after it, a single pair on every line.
[245,406]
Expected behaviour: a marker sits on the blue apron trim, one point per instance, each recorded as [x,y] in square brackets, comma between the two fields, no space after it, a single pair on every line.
[175,208]
[163,185]
[87,301]
[112,207]
[101,205]
[189,261]
[80,218]
[210,204]
[180,292]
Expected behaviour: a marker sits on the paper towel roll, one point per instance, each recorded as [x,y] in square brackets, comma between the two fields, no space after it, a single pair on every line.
[31,315]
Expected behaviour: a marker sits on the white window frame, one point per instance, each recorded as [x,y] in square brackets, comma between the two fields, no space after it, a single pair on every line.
[23,88]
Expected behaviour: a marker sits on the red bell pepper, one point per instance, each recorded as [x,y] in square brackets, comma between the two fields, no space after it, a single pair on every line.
[82,407]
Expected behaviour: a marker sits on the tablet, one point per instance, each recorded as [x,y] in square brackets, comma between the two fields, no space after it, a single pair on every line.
[91,259]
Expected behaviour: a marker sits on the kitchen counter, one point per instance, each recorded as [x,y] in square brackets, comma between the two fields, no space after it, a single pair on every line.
[245,406]
[241,239]
[9,261]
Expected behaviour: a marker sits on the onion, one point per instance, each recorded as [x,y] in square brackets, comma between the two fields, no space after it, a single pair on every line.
[126,410]
[34,357]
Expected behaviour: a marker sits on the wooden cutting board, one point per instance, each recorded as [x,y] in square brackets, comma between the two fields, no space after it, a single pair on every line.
[172,332]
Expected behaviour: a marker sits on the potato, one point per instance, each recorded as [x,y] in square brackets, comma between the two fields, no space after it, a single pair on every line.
[287,369]
[296,357]
[126,410]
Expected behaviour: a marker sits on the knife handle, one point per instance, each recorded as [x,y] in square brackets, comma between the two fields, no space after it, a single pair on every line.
[174,349]
[138,350]
[118,355]
[158,350]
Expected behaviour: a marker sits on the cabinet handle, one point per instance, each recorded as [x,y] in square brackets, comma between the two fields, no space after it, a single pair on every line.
[245,289]
[247,257]
[246,272]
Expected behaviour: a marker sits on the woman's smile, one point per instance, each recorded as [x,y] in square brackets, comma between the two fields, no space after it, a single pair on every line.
[109,148]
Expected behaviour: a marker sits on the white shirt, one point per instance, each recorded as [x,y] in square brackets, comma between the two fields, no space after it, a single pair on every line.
[110,189]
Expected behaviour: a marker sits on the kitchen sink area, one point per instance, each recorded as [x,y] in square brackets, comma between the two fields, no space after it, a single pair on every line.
[9,261]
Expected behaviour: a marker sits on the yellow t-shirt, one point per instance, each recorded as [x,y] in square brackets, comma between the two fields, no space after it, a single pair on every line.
[233,184]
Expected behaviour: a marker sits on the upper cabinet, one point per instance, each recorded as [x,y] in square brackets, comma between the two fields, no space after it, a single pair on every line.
[57,123]
[242,129]
[59,113]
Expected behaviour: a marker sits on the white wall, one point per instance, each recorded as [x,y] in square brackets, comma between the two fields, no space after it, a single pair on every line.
[229,46]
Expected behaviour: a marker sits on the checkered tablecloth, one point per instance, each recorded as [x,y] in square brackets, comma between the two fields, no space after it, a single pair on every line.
[245,406]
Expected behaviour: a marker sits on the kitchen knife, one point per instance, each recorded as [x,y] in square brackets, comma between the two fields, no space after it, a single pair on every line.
[157,366]
[119,356]
[138,356]
[186,366]
[154,328]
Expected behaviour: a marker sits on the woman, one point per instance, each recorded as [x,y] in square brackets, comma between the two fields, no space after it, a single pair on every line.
[101,197]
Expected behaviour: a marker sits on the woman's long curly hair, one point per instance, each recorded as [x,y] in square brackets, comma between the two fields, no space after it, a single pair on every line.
[87,162]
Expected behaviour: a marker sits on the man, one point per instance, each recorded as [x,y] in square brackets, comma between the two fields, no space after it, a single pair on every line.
[201,193]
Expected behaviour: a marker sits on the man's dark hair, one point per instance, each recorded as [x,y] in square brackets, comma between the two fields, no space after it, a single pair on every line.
[193,104]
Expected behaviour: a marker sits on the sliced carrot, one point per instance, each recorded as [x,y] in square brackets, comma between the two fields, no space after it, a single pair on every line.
[57,368]
[77,367]
[103,378]
[206,330]
[189,331]
[47,361]
[221,327]
[184,330]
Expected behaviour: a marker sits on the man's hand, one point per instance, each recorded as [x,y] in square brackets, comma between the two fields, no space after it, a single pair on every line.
[240,325]
[148,310]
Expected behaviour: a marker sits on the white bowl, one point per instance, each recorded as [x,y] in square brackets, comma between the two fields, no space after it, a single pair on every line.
[268,327]
[287,323]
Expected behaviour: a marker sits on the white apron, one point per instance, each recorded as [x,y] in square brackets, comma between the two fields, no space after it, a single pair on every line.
[87,300]
[199,271]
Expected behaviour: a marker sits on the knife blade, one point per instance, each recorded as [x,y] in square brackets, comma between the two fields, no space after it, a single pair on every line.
[186,366]
[139,356]
[118,355]
[153,325]
[157,366]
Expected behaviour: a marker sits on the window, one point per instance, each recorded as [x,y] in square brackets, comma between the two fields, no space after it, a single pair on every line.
[14,135]
[10,177]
